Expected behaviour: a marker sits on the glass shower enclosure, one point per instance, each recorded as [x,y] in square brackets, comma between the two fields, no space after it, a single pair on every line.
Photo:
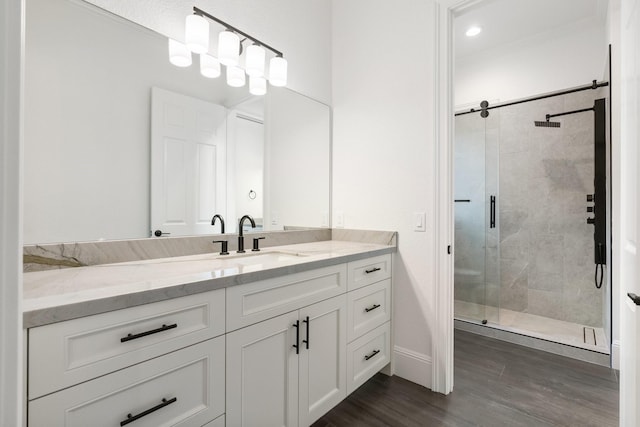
[477,231]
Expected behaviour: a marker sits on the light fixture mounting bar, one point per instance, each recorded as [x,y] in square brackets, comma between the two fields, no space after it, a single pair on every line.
[201,12]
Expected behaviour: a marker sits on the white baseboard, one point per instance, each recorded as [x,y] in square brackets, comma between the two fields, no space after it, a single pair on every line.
[615,354]
[413,366]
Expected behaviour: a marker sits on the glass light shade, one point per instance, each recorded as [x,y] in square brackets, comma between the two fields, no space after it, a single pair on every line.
[209,66]
[278,71]
[196,34]
[254,61]
[228,48]
[179,54]
[257,85]
[235,77]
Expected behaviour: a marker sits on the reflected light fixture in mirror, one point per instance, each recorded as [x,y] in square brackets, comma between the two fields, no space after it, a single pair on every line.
[229,51]
[235,76]
[179,54]
[209,66]
[257,85]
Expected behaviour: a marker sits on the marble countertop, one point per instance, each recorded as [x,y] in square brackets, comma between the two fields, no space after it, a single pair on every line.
[58,295]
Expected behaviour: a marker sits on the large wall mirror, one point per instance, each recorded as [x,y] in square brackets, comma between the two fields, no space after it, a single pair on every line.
[91,85]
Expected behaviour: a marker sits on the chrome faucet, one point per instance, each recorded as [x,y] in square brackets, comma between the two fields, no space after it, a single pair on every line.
[240,235]
[213,222]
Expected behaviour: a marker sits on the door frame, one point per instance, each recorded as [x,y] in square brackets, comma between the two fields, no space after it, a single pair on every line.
[11,117]
[442,335]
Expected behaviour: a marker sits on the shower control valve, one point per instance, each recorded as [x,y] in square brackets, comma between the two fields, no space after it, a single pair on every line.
[591,197]
[589,208]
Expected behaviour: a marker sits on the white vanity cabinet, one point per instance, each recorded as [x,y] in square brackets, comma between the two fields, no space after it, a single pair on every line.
[281,351]
[289,370]
[97,370]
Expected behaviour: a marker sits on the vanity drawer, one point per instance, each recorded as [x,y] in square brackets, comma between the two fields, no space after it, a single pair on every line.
[367,271]
[369,307]
[194,376]
[254,302]
[367,355]
[68,353]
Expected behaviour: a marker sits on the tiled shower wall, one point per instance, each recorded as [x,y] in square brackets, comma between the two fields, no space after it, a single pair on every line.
[546,247]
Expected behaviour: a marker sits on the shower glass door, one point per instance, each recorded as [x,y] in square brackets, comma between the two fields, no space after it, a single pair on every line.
[476,272]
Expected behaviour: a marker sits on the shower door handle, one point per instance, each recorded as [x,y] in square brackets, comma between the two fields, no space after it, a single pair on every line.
[492,220]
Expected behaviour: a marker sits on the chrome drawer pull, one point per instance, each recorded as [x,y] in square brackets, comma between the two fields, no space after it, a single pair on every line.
[371,355]
[130,337]
[373,270]
[132,418]
[372,308]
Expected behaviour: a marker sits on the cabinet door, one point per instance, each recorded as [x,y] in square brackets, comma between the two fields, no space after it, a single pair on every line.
[262,374]
[323,365]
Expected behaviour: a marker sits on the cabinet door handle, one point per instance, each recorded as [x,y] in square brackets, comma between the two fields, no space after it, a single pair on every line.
[297,344]
[369,356]
[130,337]
[307,340]
[132,418]
[373,270]
[372,308]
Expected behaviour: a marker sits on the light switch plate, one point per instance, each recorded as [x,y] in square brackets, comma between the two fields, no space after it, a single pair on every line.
[274,218]
[339,219]
[325,219]
[420,221]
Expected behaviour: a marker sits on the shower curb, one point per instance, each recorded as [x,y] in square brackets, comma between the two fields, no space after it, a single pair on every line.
[535,343]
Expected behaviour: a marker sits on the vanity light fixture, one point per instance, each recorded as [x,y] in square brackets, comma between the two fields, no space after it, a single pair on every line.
[473,31]
[229,52]
[196,34]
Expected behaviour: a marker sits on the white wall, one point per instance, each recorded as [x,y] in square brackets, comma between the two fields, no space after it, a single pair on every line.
[568,57]
[249,168]
[11,376]
[384,152]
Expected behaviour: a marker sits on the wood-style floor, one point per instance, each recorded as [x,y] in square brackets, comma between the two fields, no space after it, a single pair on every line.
[496,384]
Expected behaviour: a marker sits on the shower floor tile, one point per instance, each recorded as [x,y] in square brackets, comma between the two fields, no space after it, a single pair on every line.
[545,328]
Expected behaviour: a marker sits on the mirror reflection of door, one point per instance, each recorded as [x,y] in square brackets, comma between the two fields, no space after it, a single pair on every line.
[188,170]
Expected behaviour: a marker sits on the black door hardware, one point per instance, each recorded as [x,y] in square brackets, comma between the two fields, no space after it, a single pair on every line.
[130,337]
[462,201]
[492,220]
[307,340]
[635,298]
[297,344]
[372,308]
[373,270]
[132,418]
[159,233]
[367,357]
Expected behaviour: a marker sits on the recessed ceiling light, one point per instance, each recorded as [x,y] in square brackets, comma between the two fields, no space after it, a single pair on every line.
[473,31]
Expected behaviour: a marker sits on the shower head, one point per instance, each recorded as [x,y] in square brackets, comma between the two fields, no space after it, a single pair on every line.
[547,123]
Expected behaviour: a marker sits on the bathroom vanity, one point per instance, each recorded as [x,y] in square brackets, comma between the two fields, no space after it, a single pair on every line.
[276,337]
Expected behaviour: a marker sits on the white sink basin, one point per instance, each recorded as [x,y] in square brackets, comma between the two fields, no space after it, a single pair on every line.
[254,258]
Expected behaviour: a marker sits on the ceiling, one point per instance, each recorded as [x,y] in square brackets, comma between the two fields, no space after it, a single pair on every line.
[510,21]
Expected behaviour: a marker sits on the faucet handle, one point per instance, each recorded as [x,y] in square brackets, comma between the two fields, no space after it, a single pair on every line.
[224,250]
[256,240]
